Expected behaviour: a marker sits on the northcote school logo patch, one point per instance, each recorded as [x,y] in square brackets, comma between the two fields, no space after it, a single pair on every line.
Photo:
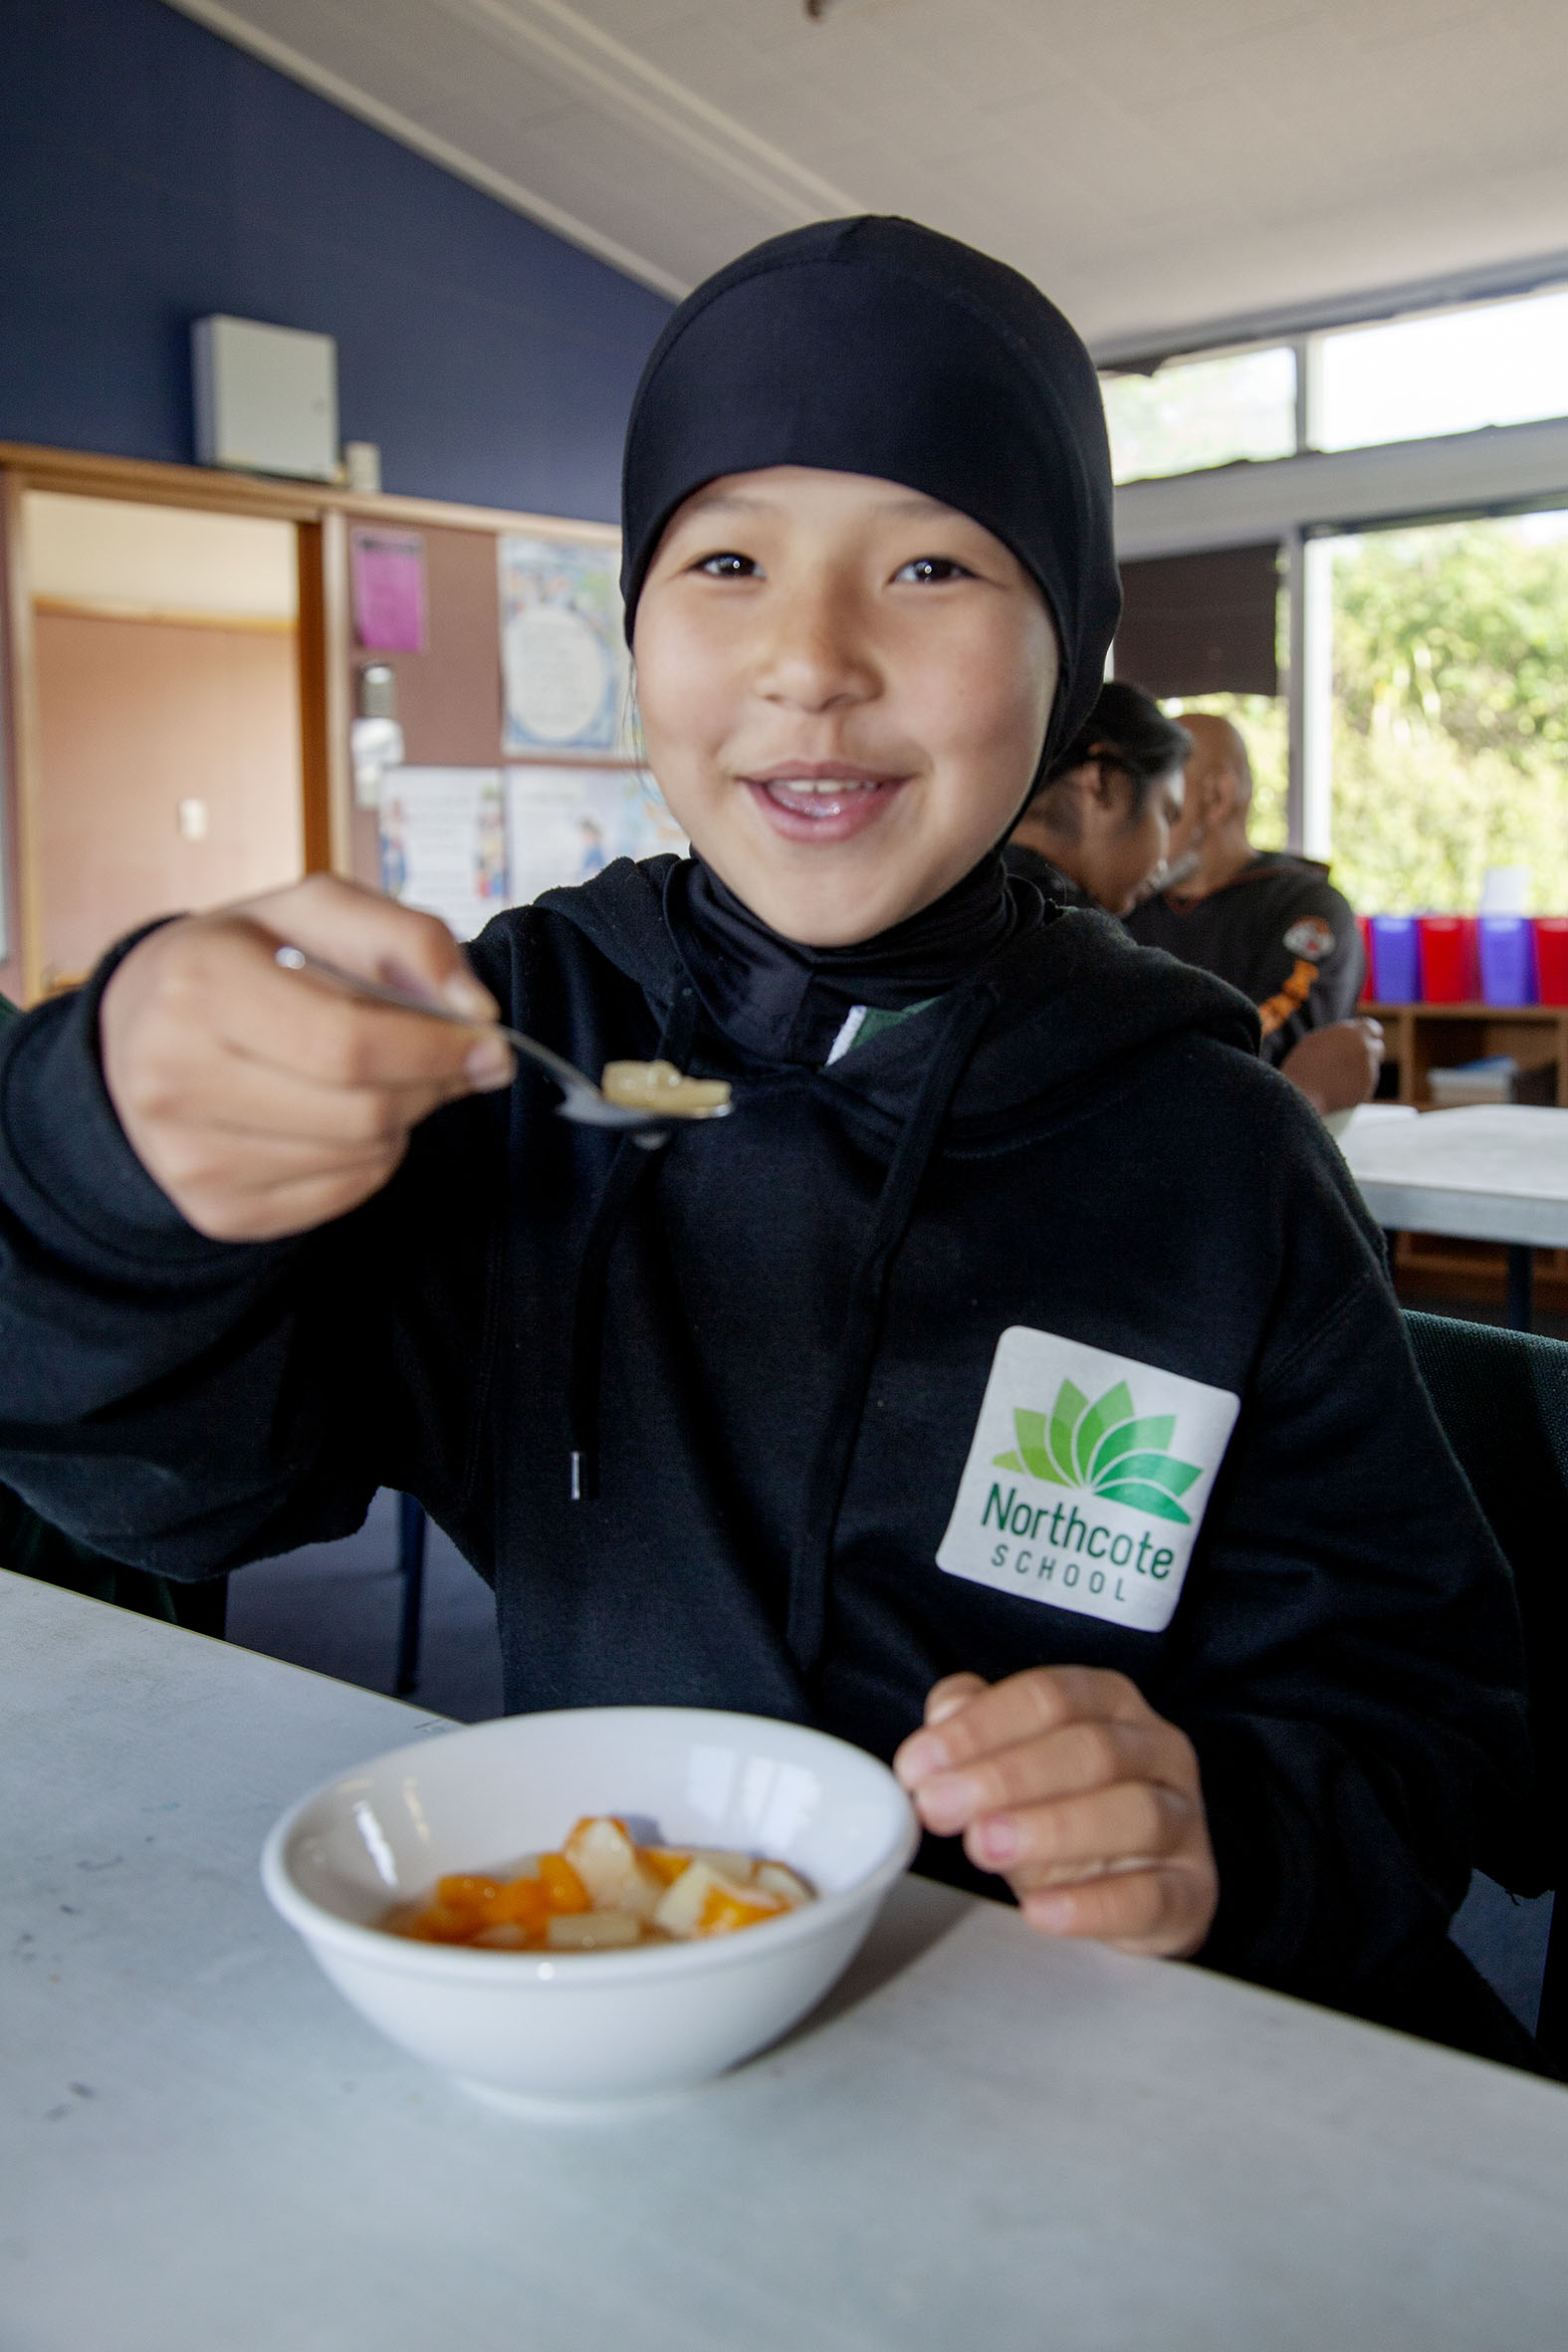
[1087,1479]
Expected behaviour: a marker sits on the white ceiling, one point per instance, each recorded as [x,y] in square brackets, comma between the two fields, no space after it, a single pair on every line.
[1157,165]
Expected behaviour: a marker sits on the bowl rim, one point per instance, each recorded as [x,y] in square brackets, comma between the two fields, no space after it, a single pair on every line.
[476,1966]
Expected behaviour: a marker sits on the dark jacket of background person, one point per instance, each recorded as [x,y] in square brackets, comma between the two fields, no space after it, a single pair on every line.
[1281,933]
[780,1388]
[1048,880]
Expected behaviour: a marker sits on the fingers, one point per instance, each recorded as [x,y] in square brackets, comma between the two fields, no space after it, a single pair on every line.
[265,1100]
[1024,1705]
[1071,1761]
[296,1022]
[946,1698]
[1161,1914]
[1079,1836]
[373,936]
[1065,1782]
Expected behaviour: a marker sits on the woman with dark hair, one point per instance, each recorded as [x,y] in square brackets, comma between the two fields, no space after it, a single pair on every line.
[1099,826]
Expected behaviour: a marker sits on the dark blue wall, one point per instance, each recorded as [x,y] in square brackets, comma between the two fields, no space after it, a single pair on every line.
[150,173]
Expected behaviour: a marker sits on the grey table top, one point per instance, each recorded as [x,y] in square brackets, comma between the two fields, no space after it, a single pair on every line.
[984,2139]
[1493,1174]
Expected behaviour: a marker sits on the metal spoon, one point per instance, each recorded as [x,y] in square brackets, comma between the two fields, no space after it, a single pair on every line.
[584,1102]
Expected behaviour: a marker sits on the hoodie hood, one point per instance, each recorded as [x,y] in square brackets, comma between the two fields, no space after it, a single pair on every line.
[1070,995]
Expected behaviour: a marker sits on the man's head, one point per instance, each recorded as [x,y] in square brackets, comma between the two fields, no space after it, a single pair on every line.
[1208,841]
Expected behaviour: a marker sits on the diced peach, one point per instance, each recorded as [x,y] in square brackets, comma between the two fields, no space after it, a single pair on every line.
[612,1870]
[433,1922]
[468,1891]
[522,1902]
[563,1890]
[727,1908]
[594,1931]
[666,1862]
[702,1902]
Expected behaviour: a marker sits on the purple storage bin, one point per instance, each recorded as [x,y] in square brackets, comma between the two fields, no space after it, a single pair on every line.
[1396,959]
[1508,959]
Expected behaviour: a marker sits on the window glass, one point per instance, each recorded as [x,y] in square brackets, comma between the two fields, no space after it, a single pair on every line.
[1500,363]
[1451,713]
[1193,414]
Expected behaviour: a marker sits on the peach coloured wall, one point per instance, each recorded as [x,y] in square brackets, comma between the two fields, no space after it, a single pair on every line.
[136,716]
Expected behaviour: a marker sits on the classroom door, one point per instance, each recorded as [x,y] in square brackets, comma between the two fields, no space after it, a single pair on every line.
[167,697]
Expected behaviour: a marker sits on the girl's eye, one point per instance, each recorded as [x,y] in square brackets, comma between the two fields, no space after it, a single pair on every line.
[727,567]
[933,570]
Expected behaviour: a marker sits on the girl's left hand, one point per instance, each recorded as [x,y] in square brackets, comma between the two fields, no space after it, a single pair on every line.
[1065,1782]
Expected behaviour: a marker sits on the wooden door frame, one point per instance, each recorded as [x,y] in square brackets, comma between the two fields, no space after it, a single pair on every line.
[322,514]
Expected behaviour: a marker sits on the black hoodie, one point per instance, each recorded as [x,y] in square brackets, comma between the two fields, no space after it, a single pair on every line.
[866,1384]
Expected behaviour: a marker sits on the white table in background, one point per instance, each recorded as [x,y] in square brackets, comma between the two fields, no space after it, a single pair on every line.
[985,2141]
[1493,1174]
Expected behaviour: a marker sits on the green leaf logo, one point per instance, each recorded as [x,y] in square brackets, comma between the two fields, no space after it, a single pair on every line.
[1106,1448]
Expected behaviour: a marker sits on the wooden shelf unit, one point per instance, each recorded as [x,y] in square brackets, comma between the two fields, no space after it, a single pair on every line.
[1423,1036]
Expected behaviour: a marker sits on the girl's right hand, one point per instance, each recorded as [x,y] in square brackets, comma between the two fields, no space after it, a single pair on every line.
[265,1101]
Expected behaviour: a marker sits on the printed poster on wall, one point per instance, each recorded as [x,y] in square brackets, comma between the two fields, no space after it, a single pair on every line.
[565,676]
[565,825]
[444,844]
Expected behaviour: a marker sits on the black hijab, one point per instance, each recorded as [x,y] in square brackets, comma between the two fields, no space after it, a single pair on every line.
[877,347]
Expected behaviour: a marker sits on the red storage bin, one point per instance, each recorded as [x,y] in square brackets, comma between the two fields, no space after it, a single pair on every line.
[1450,962]
[1551,958]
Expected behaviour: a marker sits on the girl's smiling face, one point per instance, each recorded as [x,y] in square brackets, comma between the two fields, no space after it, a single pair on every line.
[844,687]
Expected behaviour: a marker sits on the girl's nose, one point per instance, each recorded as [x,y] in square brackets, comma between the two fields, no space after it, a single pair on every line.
[812,655]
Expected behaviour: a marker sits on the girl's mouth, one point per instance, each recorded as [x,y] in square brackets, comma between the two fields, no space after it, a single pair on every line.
[815,801]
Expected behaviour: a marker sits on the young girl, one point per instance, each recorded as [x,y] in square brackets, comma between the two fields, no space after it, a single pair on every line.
[1012,1384]
[1097,831]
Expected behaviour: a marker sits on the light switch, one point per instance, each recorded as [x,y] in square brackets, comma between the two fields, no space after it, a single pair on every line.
[191,816]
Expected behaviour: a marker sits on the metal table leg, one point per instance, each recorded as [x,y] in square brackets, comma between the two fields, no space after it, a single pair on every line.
[411,1524]
[1520,1286]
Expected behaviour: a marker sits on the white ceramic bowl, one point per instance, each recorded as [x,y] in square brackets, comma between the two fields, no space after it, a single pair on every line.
[578,2029]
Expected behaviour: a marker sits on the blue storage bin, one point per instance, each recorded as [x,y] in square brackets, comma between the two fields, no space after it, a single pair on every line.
[1396,959]
[1508,959]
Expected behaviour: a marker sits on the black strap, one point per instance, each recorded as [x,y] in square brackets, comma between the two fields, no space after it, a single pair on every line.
[627,1169]
[811,1559]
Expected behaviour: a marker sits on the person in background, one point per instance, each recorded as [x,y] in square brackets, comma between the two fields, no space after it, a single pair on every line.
[1098,829]
[1270,924]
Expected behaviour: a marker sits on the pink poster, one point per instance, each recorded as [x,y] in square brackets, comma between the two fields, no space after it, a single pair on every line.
[388,572]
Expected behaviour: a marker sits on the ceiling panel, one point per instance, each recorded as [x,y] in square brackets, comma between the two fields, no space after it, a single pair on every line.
[1155,168]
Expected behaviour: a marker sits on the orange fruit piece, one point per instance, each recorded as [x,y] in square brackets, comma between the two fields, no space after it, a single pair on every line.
[564,1889]
[664,1862]
[468,1891]
[522,1902]
[435,1924]
[724,1911]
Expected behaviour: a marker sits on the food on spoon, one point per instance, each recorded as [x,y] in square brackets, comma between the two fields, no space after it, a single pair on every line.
[602,1893]
[659,1085]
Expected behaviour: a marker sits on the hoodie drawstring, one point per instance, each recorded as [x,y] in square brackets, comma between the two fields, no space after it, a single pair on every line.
[630,1164]
[811,1559]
